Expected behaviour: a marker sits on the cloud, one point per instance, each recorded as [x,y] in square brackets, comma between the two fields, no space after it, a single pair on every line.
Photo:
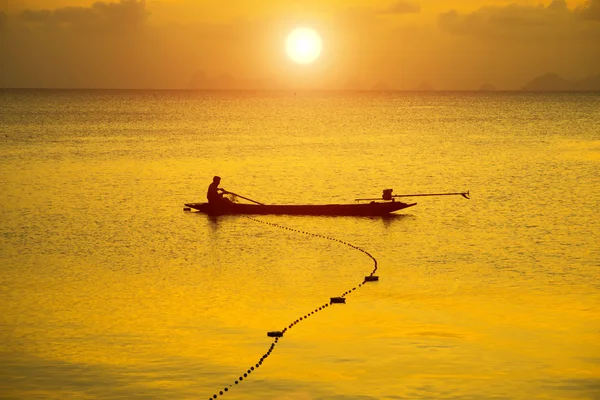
[125,14]
[591,10]
[115,45]
[515,21]
[104,45]
[520,41]
[3,21]
[402,7]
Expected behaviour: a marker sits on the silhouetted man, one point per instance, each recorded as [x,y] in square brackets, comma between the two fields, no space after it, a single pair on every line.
[215,193]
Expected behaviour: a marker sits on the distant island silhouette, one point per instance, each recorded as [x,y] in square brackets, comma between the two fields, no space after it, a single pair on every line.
[548,82]
[551,82]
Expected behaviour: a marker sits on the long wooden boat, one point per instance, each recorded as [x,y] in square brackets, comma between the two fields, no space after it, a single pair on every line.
[373,208]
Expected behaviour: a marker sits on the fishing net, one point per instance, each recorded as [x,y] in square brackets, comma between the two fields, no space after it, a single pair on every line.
[232,197]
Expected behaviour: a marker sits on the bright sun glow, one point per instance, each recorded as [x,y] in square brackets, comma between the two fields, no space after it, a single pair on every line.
[303,45]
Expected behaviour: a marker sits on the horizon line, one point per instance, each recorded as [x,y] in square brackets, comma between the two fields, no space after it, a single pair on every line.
[310,90]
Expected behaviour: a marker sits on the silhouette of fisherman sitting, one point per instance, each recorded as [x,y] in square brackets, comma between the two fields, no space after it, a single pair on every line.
[215,193]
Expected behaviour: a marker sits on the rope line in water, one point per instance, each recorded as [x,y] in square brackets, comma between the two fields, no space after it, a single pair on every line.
[321,236]
[279,334]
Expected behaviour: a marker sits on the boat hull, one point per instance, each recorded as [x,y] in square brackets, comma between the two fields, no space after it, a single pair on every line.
[363,209]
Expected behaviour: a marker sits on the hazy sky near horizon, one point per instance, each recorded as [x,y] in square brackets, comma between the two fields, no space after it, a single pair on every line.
[401,43]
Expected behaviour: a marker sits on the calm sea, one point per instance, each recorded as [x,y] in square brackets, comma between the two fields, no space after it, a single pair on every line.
[108,289]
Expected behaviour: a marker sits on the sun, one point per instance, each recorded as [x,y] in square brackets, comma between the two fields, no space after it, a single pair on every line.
[303,45]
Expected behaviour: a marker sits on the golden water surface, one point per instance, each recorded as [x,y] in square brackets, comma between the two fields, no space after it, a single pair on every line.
[109,290]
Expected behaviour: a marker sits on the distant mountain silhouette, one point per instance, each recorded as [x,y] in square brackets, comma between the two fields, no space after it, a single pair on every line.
[487,87]
[548,82]
[591,83]
[544,83]
[225,82]
[555,83]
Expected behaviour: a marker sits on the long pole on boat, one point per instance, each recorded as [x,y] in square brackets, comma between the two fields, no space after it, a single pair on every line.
[242,197]
[463,194]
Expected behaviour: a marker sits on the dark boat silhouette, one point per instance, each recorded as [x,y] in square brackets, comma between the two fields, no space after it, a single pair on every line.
[360,209]
[375,207]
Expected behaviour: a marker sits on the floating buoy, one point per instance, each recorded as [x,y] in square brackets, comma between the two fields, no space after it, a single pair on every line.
[371,278]
[187,209]
[338,300]
[275,334]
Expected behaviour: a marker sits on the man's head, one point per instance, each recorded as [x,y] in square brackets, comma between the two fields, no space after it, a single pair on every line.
[216,179]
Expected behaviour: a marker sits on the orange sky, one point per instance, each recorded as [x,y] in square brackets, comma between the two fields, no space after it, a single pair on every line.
[240,43]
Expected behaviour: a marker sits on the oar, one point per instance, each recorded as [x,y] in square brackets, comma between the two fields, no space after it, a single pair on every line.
[242,197]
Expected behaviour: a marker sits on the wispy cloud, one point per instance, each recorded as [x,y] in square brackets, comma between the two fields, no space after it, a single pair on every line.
[591,10]
[516,21]
[402,7]
[119,45]
[122,15]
